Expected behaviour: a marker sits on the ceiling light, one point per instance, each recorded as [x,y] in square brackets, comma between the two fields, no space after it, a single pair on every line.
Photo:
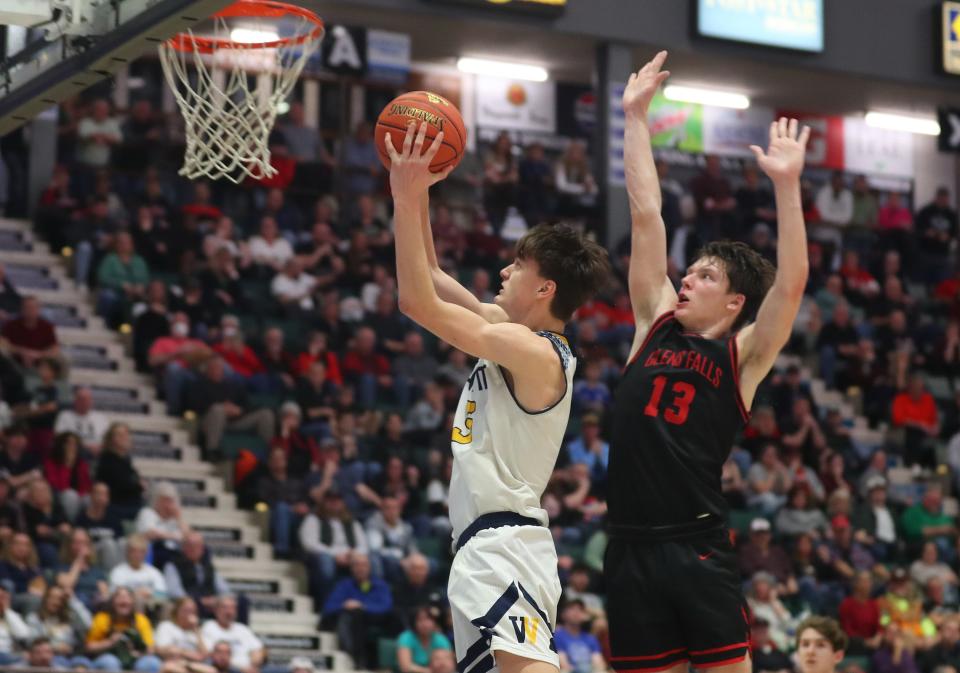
[505,69]
[895,122]
[689,94]
[252,36]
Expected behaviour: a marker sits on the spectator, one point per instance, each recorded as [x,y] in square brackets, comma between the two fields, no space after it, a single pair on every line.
[84,421]
[10,519]
[536,193]
[873,521]
[30,337]
[937,229]
[238,356]
[79,575]
[220,657]
[316,397]
[575,184]
[414,646]
[180,643]
[500,179]
[328,537]
[415,588]
[247,651]
[413,369]
[759,554]
[442,661]
[103,524]
[765,603]
[287,499]
[765,656]
[835,204]
[768,481]
[368,370]
[390,538]
[303,452]
[895,224]
[304,140]
[116,470]
[293,288]
[837,344]
[715,203]
[579,651]
[68,473]
[221,289]
[45,398]
[63,621]
[146,582]
[269,250]
[915,411]
[45,522]
[121,637]
[946,652]
[317,349]
[13,631]
[428,414]
[10,299]
[929,567]
[122,279]
[191,573]
[590,393]
[278,364]
[97,135]
[800,515]
[358,606]
[19,465]
[755,203]
[895,654]
[359,162]
[860,615]
[223,405]
[589,448]
[389,325]
[173,357]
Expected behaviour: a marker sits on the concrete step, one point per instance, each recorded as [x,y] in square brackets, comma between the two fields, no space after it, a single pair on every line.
[128,379]
[301,637]
[161,469]
[332,661]
[202,516]
[254,581]
[283,620]
[272,604]
[235,566]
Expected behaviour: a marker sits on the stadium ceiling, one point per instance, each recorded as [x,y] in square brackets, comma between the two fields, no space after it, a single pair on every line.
[440,39]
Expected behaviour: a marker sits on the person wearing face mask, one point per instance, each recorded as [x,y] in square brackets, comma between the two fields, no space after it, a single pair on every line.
[172,359]
[236,353]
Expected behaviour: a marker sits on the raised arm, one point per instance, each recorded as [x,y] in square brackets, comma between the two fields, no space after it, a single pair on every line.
[760,342]
[651,292]
[511,345]
[447,287]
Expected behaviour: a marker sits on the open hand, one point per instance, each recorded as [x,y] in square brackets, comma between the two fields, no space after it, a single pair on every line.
[643,84]
[410,174]
[783,160]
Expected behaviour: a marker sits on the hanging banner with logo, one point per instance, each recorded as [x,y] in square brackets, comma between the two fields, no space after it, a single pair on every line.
[825,147]
[576,110]
[344,50]
[388,56]
[615,175]
[676,125]
[876,151]
[516,106]
[949,140]
[950,21]
[731,132]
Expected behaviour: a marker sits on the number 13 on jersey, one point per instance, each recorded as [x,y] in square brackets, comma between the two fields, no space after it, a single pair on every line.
[678,407]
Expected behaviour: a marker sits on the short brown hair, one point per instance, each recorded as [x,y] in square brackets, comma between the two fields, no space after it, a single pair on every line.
[826,627]
[580,267]
[750,274]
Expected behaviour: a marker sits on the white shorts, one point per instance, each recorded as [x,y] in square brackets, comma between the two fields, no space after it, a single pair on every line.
[503,593]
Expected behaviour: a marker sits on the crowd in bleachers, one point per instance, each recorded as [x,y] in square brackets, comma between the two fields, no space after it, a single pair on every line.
[267,314]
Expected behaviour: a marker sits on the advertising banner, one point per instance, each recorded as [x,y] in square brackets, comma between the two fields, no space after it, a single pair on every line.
[516,106]
[797,24]
[876,151]
[731,132]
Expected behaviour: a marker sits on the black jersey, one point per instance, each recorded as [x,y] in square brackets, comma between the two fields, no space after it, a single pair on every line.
[676,414]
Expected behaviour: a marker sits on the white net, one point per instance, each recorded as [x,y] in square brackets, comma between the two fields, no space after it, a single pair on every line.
[229,95]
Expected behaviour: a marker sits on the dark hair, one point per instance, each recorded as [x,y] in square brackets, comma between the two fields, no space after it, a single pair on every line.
[748,272]
[826,627]
[59,453]
[580,267]
[37,642]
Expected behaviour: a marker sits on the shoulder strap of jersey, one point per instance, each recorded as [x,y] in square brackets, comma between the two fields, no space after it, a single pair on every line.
[560,345]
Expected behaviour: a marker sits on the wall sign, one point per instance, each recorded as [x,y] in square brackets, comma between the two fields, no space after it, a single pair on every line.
[792,24]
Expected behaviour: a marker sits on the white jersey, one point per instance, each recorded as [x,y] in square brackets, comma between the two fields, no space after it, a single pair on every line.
[503,455]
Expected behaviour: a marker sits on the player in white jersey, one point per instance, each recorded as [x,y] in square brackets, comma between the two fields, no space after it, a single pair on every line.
[511,418]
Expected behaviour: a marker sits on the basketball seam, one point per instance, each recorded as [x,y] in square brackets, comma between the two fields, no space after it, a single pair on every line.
[440,111]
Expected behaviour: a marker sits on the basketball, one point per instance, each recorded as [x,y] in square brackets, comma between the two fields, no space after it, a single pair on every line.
[419,106]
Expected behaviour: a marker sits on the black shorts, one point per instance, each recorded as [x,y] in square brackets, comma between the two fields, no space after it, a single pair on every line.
[674,601]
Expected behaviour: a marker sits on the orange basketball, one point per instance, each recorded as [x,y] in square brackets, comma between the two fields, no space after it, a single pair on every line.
[422,106]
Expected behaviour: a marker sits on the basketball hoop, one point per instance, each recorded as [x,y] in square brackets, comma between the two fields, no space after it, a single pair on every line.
[228,121]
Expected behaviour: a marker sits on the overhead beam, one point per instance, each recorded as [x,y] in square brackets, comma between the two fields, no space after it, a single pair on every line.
[64,67]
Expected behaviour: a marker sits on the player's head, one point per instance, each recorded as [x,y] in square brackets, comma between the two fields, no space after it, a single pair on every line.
[556,270]
[820,645]
[724,286]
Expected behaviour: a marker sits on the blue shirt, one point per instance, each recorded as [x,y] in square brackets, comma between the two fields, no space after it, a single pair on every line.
[376,596]
[420,655]
[579,453]
[579,650]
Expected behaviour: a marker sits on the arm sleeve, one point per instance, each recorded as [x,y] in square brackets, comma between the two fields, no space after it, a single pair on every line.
[310,536]
[174,585]
[336,598]
[378,600]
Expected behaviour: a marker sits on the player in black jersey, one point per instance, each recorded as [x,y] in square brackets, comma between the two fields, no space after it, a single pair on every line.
[674,597]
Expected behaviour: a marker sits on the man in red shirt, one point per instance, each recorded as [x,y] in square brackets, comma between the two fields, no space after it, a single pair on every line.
[173,357]
[31,337]
[232,348]
[915,411]
[860,615]
[367,369]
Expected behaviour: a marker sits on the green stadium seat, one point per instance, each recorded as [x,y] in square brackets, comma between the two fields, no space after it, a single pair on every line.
[740,519]
[234,442]
[266,400]
[862,662]
[387,654]
[432,547]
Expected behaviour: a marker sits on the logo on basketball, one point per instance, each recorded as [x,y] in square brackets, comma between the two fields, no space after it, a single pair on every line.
[516,94]
[436,100]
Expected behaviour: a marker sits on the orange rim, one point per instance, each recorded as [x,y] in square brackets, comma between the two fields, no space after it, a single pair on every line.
[269,9]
